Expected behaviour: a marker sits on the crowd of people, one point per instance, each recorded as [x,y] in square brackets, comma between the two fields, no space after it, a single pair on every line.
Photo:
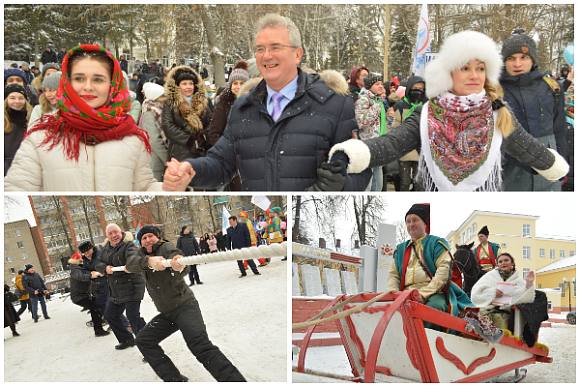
[113,297]
[256,134]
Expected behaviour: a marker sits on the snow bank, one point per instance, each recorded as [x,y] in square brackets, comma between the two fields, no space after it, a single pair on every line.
[245,317]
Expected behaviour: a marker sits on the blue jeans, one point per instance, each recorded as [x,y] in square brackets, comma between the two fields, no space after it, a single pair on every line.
[34,301]
[376,183]
[101,301]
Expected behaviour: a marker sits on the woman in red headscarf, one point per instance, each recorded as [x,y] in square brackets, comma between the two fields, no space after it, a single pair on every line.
[91,144]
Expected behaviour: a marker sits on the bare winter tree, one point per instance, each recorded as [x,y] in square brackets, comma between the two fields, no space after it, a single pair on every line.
[368,212]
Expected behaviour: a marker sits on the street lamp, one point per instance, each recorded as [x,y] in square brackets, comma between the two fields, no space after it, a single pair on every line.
[569,291]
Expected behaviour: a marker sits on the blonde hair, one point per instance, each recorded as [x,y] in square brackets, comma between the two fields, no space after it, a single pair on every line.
[504,121]
[7,123]
[46,106]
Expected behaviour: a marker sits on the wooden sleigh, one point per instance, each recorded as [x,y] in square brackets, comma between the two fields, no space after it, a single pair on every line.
[387,341]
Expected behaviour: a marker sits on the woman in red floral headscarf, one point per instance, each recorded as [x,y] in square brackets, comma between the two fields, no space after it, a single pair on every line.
[91,144]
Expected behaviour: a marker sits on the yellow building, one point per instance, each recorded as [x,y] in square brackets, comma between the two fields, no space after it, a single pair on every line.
[516,234]
[551,278]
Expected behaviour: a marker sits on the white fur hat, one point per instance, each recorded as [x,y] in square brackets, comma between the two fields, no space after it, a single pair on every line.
[153,90]
[456,51]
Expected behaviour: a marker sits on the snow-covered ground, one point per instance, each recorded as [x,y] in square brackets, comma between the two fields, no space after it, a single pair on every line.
[245,317]
[560,338]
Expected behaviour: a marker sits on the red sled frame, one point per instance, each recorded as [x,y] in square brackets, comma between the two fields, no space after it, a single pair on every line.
[418,348]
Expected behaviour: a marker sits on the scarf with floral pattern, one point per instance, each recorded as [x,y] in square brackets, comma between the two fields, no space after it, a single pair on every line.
[75,121]
[459,149]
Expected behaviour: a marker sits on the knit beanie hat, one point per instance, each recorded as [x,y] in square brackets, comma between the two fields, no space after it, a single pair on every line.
[456,51]
[51,65]
[14,88]
[239,73]
[148,228]
[183,228]
[371,79]
[153,90]
[483,231]
[253,68]
[85,246]
[244,214]
[519,42]
[14,72]
[25,64]
[28,267]
[52,81]
[422,211]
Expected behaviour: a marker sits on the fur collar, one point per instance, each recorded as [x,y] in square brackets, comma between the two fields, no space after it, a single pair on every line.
[483,292]
[336,81]
[75,261]
[248,86]
[190,114]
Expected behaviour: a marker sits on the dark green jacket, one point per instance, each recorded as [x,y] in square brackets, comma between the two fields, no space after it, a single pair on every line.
[167,288]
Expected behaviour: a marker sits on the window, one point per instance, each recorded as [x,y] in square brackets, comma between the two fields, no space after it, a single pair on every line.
[238,205]
[527,253]
[562,253]
[574,288]
[207,211]
[8,259]
[549,305]
[552,253]
[463,238]
[24,256]
[562,290]
[468,233]
[474,228]
[538,286]
[6,248]
[211,225]
[12,270]
[525,272]
[527,230]
[17,233]
[571,253]
[542,253]
[20,245]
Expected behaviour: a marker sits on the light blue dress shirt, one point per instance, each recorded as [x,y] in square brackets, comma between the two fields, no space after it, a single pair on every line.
[288,91]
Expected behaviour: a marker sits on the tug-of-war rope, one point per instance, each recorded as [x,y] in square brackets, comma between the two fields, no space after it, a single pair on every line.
[263,251]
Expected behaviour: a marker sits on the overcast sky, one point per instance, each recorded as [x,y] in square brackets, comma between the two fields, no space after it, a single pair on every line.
[557,211]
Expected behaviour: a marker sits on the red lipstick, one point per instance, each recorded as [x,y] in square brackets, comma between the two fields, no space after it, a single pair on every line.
[88,97]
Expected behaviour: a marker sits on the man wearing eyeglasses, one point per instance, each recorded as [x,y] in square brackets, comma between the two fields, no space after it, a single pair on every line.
[279,134]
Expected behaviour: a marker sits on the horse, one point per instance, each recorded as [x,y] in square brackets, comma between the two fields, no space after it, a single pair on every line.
[468,266]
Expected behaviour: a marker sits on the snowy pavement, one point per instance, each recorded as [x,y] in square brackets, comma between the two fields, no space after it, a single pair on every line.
[560,338]
[245,317]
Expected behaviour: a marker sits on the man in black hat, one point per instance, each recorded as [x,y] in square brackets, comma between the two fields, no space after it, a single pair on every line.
[424,263]
[537,103]
[486,252]
[188,244]
[36,289]
[126,289]
[179,310]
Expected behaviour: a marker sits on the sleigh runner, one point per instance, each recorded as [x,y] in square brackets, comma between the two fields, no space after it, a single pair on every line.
[388,339]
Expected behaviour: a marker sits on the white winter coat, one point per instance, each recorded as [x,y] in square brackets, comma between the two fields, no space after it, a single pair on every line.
[115,165]
[483,292]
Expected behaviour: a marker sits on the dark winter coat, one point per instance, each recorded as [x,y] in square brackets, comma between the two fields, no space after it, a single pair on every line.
[185,126]
[221,240]
[533,103]
[220,115]
[80,283]
[354,91]
[406,137]
[10,315]
[188,244]
[123,287]
[60,56]
[402,104]
[29,76]
[282,155]
[48,57]
[100,284]
[238,237]
[153,68]
[32,282]
[124,65]
[204,246]
[167,288]
[13,139]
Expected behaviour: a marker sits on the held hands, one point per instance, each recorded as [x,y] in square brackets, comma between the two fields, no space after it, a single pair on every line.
[177,175]
[176,266]
[530,280]
[155,263]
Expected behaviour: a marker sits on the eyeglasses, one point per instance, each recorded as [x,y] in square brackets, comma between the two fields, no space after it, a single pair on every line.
[273,49]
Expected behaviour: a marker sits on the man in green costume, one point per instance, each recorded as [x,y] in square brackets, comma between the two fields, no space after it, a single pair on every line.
[424,263]
[487,252]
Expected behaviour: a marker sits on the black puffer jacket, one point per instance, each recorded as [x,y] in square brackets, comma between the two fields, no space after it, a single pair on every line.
[13,139]
[100,284]
[80,283]
[282,155]
[123,287]
[32,282]
[534,105]
[188,244]
[167,288]
[406,137]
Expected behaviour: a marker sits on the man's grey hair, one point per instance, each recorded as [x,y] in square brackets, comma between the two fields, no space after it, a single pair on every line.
[275,20]
[112,225]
